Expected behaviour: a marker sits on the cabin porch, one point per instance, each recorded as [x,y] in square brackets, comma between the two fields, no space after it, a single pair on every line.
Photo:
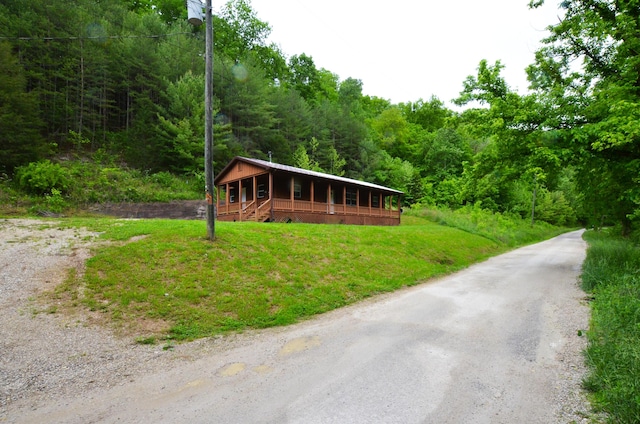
[281,197]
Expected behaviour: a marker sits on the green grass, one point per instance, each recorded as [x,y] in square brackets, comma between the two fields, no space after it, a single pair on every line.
[255,275]
[611,273]
[506,229]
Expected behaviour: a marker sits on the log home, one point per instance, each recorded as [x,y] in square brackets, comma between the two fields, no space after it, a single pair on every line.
[257,190]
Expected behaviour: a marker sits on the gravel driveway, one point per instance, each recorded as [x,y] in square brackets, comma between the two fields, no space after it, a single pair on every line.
[46,354]
[55,366]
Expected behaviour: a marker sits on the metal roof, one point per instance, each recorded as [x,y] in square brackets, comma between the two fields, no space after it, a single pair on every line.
[291,169]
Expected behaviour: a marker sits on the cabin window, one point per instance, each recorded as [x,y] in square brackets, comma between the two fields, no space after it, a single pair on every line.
[375,201]
[232,194]
[352,197]
[297,190]
[261,191]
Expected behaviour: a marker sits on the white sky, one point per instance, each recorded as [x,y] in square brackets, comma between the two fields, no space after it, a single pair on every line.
[404,50]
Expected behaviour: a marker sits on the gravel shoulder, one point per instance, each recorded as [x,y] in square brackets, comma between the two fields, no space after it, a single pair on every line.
[46,353]
[49,358]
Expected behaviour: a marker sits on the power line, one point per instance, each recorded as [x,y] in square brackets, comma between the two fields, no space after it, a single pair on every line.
[98,37]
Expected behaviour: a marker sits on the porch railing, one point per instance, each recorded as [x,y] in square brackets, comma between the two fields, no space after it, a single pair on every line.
[331,208]
[251,211]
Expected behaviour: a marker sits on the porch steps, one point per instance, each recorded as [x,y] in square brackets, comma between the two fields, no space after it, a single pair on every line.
[260,214]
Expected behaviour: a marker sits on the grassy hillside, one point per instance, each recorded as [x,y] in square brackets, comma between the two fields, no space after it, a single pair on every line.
[162,279]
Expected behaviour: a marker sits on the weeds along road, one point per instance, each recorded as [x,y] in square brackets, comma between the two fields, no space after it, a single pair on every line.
[495,343]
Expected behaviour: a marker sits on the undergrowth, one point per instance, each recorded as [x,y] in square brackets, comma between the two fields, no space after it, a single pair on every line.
[507,229]
[71,184]
[611,274]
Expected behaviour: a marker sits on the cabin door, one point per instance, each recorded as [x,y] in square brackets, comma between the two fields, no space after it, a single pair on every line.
[244,198]
[332,201]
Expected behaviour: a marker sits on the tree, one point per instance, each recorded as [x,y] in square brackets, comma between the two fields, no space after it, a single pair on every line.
[181,125]
[304,77]
[293,122]
[238,30]
[244,93]
[391,131]
[431,115]
[445,155]
[20,139]
[596,107]
[301,158]
[519,147]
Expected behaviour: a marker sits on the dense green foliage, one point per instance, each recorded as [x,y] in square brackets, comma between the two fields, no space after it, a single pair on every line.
[587,78]
[610,274]
[125,78]
[71,186]
[167,273]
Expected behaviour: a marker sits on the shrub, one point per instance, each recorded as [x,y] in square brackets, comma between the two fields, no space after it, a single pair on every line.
[54,201]
[42,177]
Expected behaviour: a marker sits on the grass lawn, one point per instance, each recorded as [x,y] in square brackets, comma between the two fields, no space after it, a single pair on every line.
[161,279]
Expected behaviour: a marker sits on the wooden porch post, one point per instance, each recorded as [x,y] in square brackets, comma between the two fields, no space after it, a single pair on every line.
[344,200]
[240,200]
[255,198]
[312,195]
[369,202]
[358,201]
[293,182]
[217,198]
[271,198]
[381,203]
[329,198]
[227,197]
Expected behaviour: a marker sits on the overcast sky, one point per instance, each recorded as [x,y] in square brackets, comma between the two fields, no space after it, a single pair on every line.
[404,50]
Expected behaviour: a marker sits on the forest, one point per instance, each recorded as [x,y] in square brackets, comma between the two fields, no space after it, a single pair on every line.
[121,82]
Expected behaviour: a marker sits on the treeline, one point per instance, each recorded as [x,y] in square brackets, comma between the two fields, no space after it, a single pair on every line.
[125,78]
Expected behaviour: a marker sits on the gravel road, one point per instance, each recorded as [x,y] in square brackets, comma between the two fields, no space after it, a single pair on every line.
[495,343]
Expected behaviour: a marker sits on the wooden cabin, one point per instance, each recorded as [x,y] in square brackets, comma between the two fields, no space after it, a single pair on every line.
[257,190]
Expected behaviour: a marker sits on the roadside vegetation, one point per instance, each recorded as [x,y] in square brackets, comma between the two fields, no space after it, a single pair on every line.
[162,280]
[72,184]
[508,229]
[611,276]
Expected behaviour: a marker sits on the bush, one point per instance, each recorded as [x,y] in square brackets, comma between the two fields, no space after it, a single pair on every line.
[78,182]
[42,177]
[54,201]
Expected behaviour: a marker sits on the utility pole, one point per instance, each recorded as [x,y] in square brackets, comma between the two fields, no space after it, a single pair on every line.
[195,17]
[208,122]
[533,201]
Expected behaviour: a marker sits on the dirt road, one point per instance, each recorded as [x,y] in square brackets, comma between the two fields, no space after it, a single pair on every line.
[496,343]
